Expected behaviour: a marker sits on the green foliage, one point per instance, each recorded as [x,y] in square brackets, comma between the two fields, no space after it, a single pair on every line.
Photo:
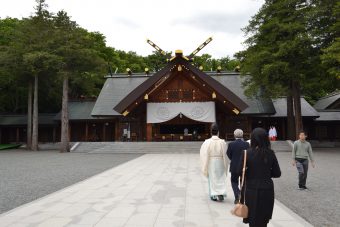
[331,53]
[284,44]
[155,61]
[211,64]
[52,46]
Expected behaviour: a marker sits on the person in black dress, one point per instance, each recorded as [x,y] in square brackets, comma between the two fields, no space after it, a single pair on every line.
[261,167]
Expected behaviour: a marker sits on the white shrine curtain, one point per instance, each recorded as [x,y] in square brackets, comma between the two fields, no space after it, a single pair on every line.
[198,111]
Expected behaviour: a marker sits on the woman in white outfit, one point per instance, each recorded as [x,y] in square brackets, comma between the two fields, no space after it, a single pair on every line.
[214,165]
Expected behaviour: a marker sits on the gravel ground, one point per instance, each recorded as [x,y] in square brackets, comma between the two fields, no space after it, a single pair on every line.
[320,205]
[26,176]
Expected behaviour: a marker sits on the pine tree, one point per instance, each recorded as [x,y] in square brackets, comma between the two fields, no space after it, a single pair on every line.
[279,53]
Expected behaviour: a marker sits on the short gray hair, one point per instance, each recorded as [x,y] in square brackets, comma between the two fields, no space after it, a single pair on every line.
[238,133]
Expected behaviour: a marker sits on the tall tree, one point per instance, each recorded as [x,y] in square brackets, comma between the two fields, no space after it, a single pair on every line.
[29,115]
[331,44]
[80,55]
[37,57]
[279,53]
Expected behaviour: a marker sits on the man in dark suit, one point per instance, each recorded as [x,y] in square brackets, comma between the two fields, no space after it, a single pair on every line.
[234,153]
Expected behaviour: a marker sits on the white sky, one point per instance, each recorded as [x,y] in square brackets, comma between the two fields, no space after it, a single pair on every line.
[171,24]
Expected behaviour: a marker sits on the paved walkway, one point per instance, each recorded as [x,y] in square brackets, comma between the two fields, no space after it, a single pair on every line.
[152,190]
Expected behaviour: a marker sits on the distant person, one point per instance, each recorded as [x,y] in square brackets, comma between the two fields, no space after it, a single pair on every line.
[186,131]
[271,133]
[234,153]
[258,190]
[302,150]
[214,166]
[194,135]
[274,133]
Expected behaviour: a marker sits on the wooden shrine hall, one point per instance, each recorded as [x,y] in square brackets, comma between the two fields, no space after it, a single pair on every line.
[179,103]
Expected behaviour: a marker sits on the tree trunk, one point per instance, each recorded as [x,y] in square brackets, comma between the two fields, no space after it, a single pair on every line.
[29,116]
[35,116]
[290,118]
[65,140]
[297,108]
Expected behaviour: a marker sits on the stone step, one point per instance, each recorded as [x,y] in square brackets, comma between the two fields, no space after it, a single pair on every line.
[281,145]
[139,147]
[155,147]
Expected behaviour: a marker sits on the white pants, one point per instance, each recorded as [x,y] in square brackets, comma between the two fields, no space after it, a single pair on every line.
[217,177]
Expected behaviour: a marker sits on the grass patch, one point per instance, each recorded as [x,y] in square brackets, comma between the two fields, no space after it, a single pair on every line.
[9,146]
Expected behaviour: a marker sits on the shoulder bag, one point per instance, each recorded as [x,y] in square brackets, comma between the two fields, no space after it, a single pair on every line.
[241,209]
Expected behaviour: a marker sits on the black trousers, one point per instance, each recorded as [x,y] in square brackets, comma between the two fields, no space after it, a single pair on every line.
[234,184]
[302,167]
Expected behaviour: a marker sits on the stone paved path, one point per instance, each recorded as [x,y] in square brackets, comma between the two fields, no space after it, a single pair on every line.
[152,190]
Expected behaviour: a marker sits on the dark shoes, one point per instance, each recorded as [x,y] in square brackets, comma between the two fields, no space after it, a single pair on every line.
[213,198]
[217,198]
[303,188]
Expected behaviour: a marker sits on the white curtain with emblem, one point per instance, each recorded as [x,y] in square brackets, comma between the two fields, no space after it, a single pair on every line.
[198,111]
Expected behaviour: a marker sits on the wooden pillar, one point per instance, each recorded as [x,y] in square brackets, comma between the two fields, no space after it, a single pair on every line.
[249,124]
[148,132]
[17,135]
[86,131]
[54,134]
[104,132]
[222,126]
[117,131]
[283,125]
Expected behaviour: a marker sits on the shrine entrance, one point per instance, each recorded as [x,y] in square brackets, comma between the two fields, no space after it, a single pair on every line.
[181,128]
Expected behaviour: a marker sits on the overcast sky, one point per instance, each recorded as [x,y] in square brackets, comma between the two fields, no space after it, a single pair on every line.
[171,24]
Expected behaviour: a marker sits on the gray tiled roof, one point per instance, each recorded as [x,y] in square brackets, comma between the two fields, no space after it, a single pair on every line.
[328,116]
[11,120]
[280,105]
[118,86]
[113,91]
[79,110]
[233,81]
[326,101]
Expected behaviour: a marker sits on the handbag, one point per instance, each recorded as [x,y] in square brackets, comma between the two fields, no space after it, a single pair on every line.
[241,209]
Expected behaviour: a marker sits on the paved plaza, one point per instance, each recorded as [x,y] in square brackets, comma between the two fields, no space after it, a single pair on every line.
[26,176]
[152,190]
